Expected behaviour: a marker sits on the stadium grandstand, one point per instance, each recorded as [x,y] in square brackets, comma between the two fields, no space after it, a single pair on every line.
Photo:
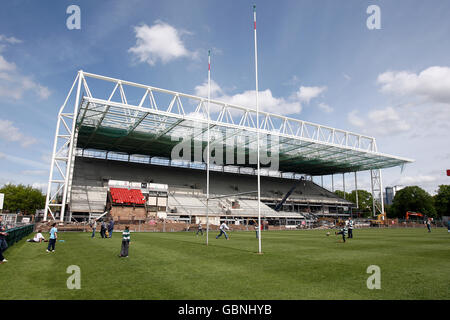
[113,156]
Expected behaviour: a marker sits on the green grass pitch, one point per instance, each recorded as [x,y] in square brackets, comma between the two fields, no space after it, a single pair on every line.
[295,265]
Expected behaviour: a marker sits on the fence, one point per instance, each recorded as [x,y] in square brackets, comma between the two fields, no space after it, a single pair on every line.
[403,223]
[17,233]
[12,220]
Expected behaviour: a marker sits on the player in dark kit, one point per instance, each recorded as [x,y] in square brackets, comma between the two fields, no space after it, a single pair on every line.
[343,232]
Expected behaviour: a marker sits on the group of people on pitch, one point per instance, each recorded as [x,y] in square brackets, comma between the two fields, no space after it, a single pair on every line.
[38,238]
[346,230]
[4,244]
[223,227]
[106,230]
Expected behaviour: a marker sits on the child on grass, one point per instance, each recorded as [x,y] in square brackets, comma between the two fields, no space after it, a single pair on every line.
[343,232]
[125,242]
[37,238]
[52,239]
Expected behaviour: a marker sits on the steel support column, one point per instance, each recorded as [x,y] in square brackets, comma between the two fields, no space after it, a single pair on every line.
[377,191]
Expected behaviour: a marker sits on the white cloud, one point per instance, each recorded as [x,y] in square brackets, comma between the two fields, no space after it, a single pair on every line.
[34,172]
[354,119]
[266,100]
[10,40]
[416,180]
[27,163]
[161,41]
[432,83]
[6,66]
[325,107]
[40,185]
[425,104]
[202,90]
[381,122]
[306,94]
[11,133]
[387,121]
[13,84]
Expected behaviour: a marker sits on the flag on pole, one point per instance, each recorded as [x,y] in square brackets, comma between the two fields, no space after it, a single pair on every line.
[254,15]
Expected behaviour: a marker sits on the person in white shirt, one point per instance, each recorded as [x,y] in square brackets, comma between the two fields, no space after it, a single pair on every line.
[37,238]
[258,230]
[222,228]
[350,228]
[200,229]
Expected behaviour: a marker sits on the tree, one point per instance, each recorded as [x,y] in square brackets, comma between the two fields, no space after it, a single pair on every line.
[412,199]
[24,198]
[341,194]
[364,200]
[442,201]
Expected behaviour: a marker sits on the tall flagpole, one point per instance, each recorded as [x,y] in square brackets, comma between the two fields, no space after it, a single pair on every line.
[257,134]
[207,150]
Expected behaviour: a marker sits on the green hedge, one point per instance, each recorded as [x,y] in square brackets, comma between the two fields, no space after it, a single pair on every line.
[15,234]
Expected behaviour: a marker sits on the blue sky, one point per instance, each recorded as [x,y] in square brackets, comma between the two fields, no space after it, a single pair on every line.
[392,83]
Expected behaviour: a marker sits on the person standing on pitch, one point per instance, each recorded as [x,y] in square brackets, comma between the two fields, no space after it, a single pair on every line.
[222,228]
[111,227]
[3,243]
[200,229]
[53,237]
[429,224]
[350,228]
[94,227]
[103,229]
[125,242]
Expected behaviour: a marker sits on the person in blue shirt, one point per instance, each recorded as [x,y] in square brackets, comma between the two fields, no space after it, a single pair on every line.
[53,237]
[111,227]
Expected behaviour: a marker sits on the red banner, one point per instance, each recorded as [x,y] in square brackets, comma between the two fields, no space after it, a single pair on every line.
[448,173]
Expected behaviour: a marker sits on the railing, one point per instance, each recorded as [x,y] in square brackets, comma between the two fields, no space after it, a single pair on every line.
[17,233]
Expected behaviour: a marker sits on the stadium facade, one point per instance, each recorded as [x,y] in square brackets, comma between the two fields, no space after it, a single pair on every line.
[114,150]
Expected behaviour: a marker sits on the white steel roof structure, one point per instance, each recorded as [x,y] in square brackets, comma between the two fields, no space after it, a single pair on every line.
[116,115]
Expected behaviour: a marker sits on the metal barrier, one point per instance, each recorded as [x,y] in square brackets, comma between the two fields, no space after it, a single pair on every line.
[16,234]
